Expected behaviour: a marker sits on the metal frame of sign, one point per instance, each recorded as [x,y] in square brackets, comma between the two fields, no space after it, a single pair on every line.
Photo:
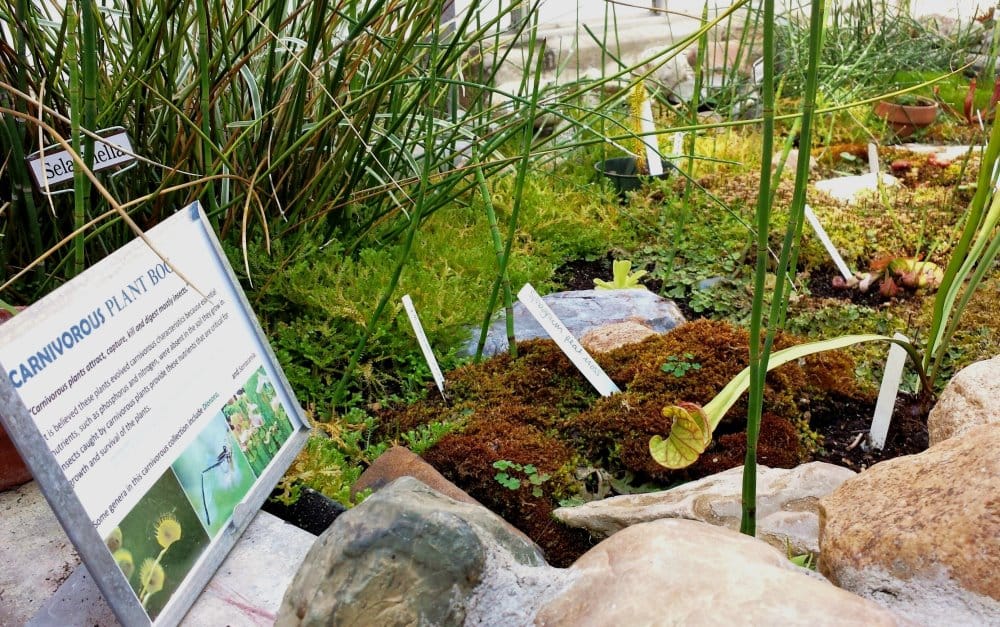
[69,509]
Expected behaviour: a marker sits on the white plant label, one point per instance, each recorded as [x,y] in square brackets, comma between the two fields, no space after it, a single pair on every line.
[678,147]
[887,393]
[425,346]
[653,159]
[565,340]
[53,166]
[873,164]
[828,244]
[758,71]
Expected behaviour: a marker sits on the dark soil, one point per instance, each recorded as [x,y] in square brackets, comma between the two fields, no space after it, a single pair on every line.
[312,512]
[579,274]
[821,286]
[841,422]
[844,425]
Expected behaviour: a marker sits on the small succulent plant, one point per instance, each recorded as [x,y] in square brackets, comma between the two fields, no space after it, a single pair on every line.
[622,278]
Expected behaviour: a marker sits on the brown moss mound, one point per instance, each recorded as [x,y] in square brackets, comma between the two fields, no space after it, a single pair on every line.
[467,460]
[617,429]
[538,409]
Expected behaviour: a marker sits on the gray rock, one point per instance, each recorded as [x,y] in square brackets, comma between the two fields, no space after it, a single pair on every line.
[787,504]
[674,74]
[408,555]
[400,461]
[971,398]
[951,28]
[682,572]
[792,162]
[709,283]
[980,61]
[582,311]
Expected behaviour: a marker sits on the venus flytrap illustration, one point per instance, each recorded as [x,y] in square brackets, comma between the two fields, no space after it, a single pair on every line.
[157,543]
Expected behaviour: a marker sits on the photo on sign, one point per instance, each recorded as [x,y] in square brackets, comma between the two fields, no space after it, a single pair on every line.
[215,475]
[258,420]
[157,543]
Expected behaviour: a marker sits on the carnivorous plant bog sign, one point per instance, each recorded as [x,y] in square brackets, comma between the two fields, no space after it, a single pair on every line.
[151,410]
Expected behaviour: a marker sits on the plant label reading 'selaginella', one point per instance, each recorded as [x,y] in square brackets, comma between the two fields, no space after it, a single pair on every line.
[155,397]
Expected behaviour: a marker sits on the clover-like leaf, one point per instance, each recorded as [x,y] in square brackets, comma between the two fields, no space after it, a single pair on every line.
[690,434]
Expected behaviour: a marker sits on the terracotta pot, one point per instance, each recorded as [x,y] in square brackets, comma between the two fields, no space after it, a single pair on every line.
[905,119]
[13,471]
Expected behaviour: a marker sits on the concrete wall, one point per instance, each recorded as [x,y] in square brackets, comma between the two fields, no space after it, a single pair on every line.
[568,12]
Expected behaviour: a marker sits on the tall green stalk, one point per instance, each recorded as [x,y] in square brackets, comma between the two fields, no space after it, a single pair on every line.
[522,171]
[205,101]
[498,249]
[759,355]
[81,185]
[975,251]
[690,142]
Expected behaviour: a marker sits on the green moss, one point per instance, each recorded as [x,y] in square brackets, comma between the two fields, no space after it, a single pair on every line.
[538,409]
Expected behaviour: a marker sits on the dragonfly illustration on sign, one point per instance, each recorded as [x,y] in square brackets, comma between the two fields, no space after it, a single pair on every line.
[223,462]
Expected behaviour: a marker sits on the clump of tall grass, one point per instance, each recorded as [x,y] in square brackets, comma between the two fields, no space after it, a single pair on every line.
[286,120]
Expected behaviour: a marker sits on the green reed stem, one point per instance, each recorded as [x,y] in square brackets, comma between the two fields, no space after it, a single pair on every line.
[759,354]
[522,171]
[498,249]
[81,185]
[758,357]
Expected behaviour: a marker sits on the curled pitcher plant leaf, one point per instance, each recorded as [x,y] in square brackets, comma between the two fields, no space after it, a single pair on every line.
[692,428]
[690,434]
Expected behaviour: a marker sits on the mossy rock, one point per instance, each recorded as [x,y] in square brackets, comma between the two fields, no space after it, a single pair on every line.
[538,409]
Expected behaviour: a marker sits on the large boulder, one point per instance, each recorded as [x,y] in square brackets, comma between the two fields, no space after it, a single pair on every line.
[682,572]
[787,504]
[408,555]
[919,533]
[400,461]
[971,398]
[582,311]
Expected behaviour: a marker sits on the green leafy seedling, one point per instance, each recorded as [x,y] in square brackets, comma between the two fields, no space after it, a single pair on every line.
[536,479]
[680,366]
[622,278]
[507,479]
[503,477]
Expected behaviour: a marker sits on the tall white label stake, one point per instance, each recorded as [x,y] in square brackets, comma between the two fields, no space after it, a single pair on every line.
[873,164]
[828,244]
[425,346]
[653,158]
[565,340]
[758,71]
[678,147]
[888,391]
